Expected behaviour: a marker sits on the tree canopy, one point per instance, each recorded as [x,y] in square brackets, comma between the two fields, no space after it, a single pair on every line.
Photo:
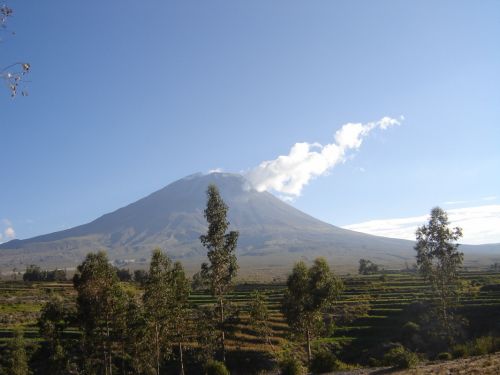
[309,294]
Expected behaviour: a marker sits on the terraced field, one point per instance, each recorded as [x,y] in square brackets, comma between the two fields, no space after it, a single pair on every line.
[378,299]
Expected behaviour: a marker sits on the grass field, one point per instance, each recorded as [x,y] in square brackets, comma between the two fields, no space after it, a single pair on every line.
[382,298]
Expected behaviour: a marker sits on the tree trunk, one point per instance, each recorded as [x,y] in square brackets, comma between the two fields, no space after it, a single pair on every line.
[157,342]
[222,336]
[270,343]
[109,363]
[181,358]
[308,335]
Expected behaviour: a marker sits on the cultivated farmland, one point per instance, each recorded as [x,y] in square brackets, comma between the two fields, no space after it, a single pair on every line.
[370,313]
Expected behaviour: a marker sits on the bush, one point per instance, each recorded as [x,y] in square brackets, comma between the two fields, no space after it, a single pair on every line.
[410,328]
[291,366]
[490,288]
[401,358]
[460,351]
[215,368]
[483,345]
[444,356]
[322,362]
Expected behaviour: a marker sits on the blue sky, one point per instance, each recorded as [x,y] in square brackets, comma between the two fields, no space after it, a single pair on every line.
[128,96]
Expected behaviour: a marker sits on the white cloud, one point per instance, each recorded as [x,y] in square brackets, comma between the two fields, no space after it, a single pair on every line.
[483,199]
[288,174]
[490,198]
[216,170]
[9,233]
[480,224]
[456,202]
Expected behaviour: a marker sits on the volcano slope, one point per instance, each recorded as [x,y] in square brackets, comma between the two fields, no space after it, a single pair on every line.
[273,234]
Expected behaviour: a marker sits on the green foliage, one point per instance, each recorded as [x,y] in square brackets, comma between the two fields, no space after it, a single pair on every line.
[444,356]
[291,366]
[345,313]
[139,358]
[410,328]
[460,351]
[54,319]
[166,304]
[205,321]
[198,282]
[485,345]
[221,246]
[259,316]
[34,273]
[140,276]
[401,358]
[438,259]
[490,288]
[101,304]
[18,360]
[123,274]
[310,292]
[215,368]
[479,346]
[323,361]
[367,267]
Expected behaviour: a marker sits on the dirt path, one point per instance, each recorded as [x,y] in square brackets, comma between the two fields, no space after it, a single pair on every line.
[482,365]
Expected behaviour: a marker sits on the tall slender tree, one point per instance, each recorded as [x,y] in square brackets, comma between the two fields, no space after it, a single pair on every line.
[309,295]
[166,307]
[180,311]
[54,319]
[100,302]
[221,247]
[18,360]
[439,261]
[259,317]
[157,298]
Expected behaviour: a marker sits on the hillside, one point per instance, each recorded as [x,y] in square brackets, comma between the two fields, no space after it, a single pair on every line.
[273,234]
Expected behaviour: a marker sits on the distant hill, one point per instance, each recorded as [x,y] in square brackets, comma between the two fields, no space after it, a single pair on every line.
[273,234]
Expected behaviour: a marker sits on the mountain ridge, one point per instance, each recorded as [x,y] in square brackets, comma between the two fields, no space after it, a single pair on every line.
[271,231]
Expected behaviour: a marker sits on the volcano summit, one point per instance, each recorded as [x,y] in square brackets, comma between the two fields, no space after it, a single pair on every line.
[273,234]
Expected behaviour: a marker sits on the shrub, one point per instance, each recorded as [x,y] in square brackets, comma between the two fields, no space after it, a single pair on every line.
[483,345]
[480,346]
[401,358]
[215,368]
[411,328]
[460,351]
[291,366]
[374,362]
[322,362]
[444,356]
[490,288]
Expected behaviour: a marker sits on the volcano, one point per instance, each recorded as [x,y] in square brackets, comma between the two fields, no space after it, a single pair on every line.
[273,234]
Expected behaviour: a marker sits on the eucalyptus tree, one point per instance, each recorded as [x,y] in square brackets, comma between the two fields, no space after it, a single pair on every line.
[166,307]
[180,311]
[18,359]
[259,317]
[156,298]
[55,317]
[439,261]
[221,245]
[310,293]
[100,303]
